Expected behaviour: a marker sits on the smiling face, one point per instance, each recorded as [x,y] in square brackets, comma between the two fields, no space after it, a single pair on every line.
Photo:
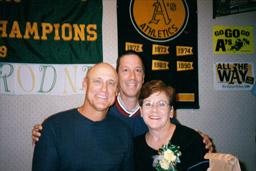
[156,111]
[131,75]
[101,87]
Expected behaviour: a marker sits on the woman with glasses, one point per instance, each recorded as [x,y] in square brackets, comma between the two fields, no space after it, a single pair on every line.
[165,146]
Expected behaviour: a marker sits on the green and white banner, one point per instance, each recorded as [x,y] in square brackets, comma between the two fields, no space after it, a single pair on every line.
[37,36]
[44,79]
[52,32]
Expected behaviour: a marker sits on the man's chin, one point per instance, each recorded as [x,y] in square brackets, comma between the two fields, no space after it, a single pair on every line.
[102,108]
[131,92]
[133,95]
[103,105]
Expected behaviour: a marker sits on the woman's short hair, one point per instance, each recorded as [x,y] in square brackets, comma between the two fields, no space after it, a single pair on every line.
[155,86]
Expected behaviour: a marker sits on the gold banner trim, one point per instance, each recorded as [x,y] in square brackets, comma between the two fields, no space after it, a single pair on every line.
[182,97]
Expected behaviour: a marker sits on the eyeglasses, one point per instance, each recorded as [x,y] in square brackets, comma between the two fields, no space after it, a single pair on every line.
[160,104]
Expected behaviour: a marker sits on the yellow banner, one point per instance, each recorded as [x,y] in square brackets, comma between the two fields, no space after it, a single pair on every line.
[184,66]
[183,50]
[159,65]
[233,76]
[159,49]
[233,39]
[133,46]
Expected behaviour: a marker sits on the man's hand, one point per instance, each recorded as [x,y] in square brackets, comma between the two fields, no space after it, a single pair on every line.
[207,141]
[36,134]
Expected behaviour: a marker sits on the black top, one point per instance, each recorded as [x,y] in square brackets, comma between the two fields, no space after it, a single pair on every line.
[191,146]
[71,141]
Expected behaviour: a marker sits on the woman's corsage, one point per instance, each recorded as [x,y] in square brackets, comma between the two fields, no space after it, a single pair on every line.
[168,158]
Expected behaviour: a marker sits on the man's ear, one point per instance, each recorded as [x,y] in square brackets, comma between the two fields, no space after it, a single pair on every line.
[84,84]
[172,112]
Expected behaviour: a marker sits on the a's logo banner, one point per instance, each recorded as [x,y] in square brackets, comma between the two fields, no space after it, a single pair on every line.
[160,20]
[165,33]
[233,39]
[51,32]
[233,76]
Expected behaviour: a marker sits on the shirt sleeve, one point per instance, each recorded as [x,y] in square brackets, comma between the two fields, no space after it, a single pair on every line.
[195,154]
[137,164]
[45,156]
[127,163]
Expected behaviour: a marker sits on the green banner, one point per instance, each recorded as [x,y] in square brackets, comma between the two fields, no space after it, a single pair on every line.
[51,32]
[165,33]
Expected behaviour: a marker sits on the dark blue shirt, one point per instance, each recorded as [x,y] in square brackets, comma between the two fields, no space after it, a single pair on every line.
[70,141]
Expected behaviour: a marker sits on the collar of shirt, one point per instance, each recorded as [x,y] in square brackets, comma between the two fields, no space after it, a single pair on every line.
[122,105]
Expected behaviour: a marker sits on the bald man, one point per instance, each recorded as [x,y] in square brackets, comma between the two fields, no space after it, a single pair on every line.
[86,138]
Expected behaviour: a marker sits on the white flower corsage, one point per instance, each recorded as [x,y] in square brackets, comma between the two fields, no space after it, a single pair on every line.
[168,158]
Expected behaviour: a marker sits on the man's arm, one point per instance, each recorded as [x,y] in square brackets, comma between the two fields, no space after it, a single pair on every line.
[127,163]
[207,141]
[45,154]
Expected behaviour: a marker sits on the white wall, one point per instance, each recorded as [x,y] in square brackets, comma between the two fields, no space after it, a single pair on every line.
[229,117]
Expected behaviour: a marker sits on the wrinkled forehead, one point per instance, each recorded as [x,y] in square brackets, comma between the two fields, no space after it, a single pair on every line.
[102,71]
